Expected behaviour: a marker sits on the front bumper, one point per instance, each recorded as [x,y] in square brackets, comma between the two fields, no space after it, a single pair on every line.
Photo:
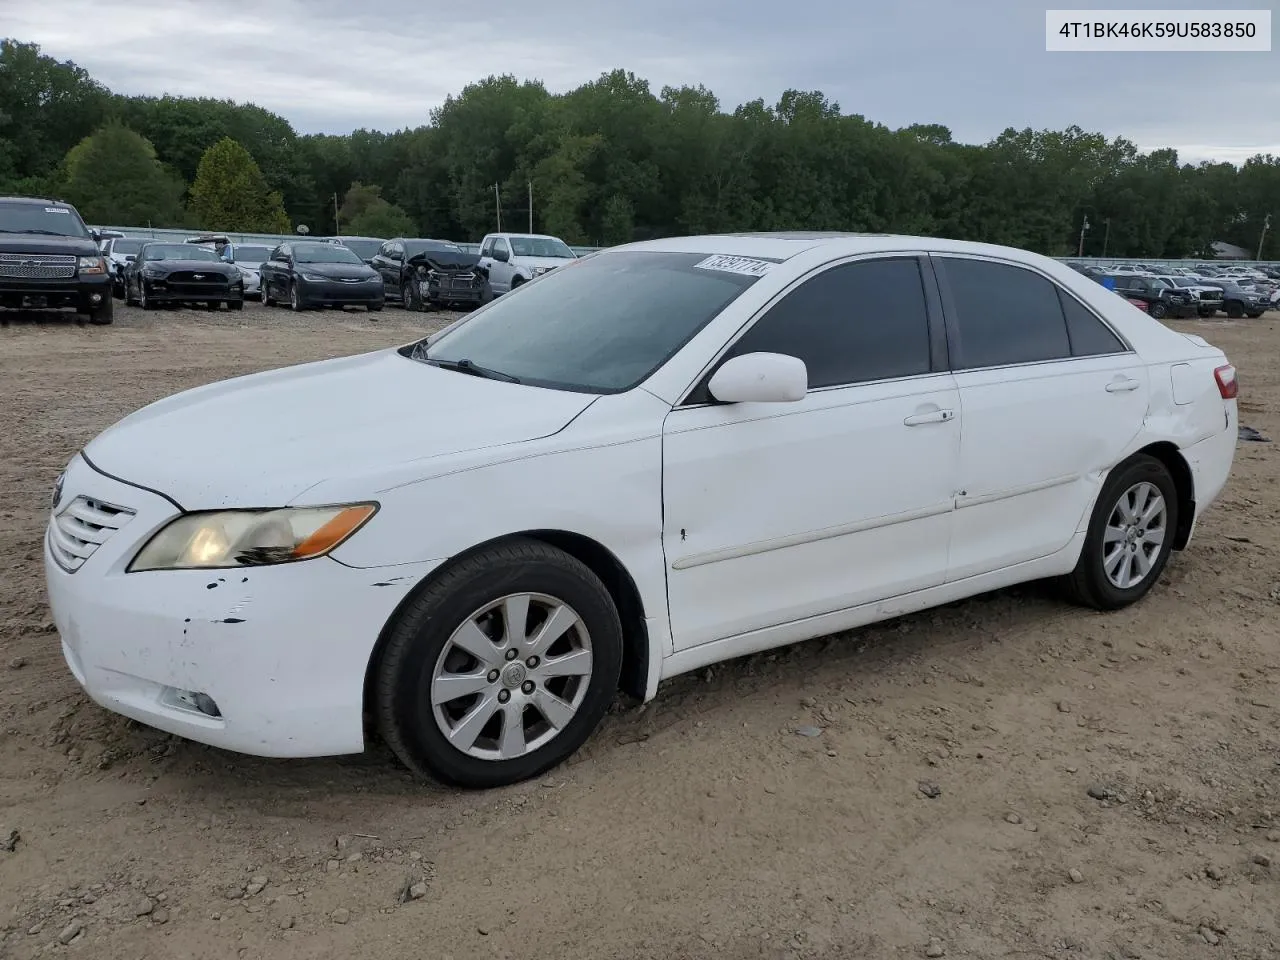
[339,293]
[446,292]
[82,292]
[282,651]
[165,291]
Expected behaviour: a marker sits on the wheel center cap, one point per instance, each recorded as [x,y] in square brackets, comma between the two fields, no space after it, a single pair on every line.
[513,675]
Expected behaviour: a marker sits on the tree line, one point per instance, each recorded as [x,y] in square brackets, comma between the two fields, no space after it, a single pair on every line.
[607,163]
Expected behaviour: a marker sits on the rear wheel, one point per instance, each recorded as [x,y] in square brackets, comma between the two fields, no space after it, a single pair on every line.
[501,667]
[1130,536]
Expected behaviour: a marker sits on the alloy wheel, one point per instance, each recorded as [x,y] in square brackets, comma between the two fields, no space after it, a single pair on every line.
[1134,535]
[512,676]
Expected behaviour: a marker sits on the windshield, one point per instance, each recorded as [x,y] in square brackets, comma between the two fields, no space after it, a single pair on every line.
[540,247]
[364,249]
[600,325]
[179,251]
[324,253]
[414,247]
[126,246]
[251,255]
[53,218]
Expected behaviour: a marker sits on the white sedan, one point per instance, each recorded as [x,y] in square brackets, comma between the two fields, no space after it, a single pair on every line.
[655,458]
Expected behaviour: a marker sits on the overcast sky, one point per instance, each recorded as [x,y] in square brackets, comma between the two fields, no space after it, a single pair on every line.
[977,66]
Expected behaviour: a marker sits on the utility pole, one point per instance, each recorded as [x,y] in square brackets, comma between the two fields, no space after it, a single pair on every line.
[531,206]
[1106,235]
[1265,223]
[497,205]
[337,225]
[1083,227]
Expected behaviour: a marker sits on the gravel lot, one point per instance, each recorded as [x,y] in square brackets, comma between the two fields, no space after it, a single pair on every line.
[1106,785]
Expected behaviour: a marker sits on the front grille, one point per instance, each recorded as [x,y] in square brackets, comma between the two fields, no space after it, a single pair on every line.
[37,266]
[84,525]
[198,278]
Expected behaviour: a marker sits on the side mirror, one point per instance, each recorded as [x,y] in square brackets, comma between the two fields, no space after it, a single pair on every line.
[501,256]
[760,378]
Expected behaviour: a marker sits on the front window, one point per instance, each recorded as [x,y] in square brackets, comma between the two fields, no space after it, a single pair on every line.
[179,251]
[600,325]
[251,255]
[324,253]
[364,249]
[541,247]
[127,247]
[52,219]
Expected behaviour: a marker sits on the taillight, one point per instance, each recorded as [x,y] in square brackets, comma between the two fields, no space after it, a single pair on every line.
[1228,385]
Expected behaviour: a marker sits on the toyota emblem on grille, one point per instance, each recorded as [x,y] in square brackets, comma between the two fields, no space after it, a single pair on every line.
[57,490]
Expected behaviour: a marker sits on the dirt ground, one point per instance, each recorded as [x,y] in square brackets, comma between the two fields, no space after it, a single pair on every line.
[703,825]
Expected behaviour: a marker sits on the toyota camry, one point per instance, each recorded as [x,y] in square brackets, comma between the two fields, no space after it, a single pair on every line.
[657,457]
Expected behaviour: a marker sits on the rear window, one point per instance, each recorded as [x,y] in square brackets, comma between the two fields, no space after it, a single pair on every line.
[602,324]
[50,219]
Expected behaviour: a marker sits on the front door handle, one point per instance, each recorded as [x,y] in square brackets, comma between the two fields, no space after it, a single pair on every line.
[933,416]
[1123,386]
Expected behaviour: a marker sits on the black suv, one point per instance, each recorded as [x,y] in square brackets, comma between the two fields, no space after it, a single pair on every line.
[1161,299]
[50,259]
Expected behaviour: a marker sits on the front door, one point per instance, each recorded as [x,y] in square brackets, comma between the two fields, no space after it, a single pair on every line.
[774,512]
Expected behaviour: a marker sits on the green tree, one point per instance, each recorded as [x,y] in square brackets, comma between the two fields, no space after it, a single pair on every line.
[113,176]
[230,193]
[366,214]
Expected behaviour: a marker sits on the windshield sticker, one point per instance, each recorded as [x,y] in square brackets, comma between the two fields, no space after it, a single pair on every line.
[742,265]
[56,210]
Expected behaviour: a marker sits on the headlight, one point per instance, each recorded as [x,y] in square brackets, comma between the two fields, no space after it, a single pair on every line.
[250,538]
[314,278]
[91,265]
[152,272]
[539,271]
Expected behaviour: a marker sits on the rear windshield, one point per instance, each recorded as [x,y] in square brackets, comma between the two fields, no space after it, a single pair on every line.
[52,219]
[323,253]
[364,249]
[251,255]
[602,324]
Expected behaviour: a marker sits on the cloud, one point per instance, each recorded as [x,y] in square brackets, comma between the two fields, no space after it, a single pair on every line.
[978,67]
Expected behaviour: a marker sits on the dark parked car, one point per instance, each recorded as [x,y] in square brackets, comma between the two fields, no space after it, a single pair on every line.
[1161,299]
[1242,301]
[175,273]
[50,260]
[420,272]
[310,274]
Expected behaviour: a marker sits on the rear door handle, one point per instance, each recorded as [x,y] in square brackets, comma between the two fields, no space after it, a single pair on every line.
[933,416]
[1122,386]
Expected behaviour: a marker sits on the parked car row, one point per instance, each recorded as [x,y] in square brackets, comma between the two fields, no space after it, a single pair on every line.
[418,273]
[1184,292]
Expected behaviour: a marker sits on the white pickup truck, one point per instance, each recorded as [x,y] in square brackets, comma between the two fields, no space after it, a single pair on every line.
[515,258]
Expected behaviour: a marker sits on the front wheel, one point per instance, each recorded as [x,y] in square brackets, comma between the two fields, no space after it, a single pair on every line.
[235,304]
[1159,310]
[1130,536]
[104,314]
[144,301]
[267,299]
[295,299]
[1235,309]
[501,667]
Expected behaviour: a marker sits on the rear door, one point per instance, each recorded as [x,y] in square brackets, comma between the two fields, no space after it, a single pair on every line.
[1051,398]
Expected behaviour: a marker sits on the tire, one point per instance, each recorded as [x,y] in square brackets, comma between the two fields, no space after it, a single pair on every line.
[516,281]
[104,314]
[1235,309]
[374,307]
[235,304]
[410,297]
[422,643]
[1090,584]
[1158,310]
[145,302]
[267,301]
[213,305]
[295,302]
[128,300]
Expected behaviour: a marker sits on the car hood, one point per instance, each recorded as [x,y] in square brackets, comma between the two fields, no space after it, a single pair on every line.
[264,439]
[195,266]
[338,271]
[41,243]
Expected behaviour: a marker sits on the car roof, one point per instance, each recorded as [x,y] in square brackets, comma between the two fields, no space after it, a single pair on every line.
[784,245]
[34,200]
